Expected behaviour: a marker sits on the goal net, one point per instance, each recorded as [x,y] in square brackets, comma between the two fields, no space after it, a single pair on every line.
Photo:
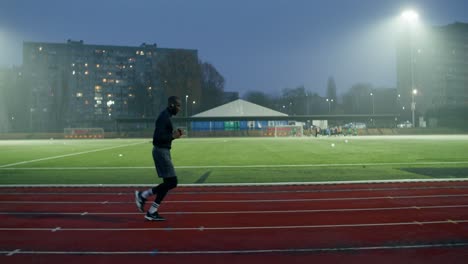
[83,132]
[288,131]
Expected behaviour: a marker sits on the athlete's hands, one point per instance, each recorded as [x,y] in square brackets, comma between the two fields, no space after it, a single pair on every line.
[177,133]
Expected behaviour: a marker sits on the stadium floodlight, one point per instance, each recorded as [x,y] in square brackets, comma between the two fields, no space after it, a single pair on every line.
[410,16]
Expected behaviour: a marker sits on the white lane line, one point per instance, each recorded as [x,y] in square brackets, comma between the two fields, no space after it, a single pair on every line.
[16,251]
[322,199]
[225,166]
[246,251]
[251,201]
[249,212]
[67,155]
[243,227]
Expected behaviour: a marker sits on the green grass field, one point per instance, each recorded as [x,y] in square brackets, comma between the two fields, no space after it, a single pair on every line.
[235,160]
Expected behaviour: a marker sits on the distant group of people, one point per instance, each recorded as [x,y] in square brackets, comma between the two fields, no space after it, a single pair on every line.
[332,131]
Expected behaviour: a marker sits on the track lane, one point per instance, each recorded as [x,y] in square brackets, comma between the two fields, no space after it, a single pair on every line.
[91,195]
[191,220]
[172,206]
[203,239]
[168,239]
[407,256]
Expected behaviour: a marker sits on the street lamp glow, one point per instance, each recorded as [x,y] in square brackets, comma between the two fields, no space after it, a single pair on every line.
[410,15]
[415,92]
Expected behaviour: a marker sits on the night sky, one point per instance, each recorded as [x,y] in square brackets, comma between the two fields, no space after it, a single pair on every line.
[262,45]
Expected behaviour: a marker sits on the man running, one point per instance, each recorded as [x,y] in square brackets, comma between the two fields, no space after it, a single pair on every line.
[163,135]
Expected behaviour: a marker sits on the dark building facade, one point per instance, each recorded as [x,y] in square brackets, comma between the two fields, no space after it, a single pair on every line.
[78,85]
[434,62]
[13,116]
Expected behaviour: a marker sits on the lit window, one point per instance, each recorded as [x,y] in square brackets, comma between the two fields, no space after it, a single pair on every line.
[137,52]
[86,102]
[117,81]
[104,80]
[110,103]
[142,53]
[73,64]
[86,64]
[40,48]
[73,72]
[109,95]
[98,65]
[131,66]
[86,72]
[97,88]
[130,95]
[109,73]
[79,94]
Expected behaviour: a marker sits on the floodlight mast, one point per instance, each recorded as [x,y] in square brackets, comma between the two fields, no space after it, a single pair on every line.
[411,17]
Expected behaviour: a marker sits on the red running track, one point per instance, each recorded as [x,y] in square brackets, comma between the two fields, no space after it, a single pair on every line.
[358,223]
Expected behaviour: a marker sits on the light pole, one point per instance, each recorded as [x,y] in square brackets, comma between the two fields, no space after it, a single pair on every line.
[373,105]
[329,104]
[186,98]
[413,103]
[31,110]
[411,17]
[193,106]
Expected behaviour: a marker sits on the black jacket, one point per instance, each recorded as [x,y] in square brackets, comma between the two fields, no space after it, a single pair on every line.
[162,136]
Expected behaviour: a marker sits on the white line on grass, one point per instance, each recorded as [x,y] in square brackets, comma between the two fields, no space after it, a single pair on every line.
[66,155]
[248,212]
[196,185]
[446,221]
[250,200]
[245,251]
[226,166]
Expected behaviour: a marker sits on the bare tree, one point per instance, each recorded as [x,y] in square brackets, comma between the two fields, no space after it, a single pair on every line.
[259,98]
[212,83]
[179,73]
